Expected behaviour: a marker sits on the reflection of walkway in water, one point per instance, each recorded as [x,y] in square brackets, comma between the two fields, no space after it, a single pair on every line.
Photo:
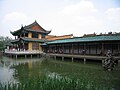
[7,72]
[8,62]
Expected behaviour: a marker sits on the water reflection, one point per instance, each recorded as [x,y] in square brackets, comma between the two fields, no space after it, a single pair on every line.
[9,69]
[6,73]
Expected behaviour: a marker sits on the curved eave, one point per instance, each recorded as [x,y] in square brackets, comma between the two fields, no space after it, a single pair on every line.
[15,41]
[17,32]
[27,40]
[48,32]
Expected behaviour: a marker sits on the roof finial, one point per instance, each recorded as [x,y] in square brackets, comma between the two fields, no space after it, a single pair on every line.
[21,25]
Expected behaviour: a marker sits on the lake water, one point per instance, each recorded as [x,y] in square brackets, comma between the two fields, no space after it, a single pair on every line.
[21,70]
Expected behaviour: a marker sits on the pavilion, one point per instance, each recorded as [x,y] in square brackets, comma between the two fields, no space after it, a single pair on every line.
[29,37]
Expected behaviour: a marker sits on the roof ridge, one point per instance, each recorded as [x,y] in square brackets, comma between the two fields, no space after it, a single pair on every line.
[34,23]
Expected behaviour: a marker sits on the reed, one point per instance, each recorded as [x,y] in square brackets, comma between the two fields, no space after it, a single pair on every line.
[48,83]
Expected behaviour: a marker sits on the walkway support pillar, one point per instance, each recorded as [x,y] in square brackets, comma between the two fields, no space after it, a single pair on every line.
[84,60]
[102,62]
[38,56]
[55,57]
[62,58]
[25,56]
[16,56]
[31,56]
[72,59]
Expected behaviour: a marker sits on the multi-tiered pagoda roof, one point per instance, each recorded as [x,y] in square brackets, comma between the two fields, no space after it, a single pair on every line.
[34,27]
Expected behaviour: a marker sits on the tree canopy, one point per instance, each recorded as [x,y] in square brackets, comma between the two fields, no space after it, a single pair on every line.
[4,41]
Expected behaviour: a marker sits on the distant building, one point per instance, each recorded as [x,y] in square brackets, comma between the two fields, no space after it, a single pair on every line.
[88,45]
[53,37]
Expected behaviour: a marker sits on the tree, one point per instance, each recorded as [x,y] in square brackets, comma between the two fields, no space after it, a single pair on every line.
[4,41]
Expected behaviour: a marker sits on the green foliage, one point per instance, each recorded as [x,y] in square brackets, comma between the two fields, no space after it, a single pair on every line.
[48,83]
[3,42]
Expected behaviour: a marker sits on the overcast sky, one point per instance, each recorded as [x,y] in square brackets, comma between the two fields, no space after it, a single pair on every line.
[63,17]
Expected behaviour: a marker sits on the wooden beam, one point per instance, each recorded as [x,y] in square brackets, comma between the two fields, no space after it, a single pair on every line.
[78,48]
[96,48]
[72,49]
[102,49]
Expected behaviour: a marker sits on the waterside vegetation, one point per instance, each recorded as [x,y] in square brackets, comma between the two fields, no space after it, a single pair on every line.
[48,83]
[4,41]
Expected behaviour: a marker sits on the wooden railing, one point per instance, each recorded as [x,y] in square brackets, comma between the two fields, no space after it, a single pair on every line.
[23,52]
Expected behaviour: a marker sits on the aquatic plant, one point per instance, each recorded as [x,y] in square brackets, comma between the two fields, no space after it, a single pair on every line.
[48,83]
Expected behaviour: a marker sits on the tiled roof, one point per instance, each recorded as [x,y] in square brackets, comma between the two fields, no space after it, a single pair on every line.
[86,39]
[28,40]
[28,28]
[37,31]
[16,40]
[34,23]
